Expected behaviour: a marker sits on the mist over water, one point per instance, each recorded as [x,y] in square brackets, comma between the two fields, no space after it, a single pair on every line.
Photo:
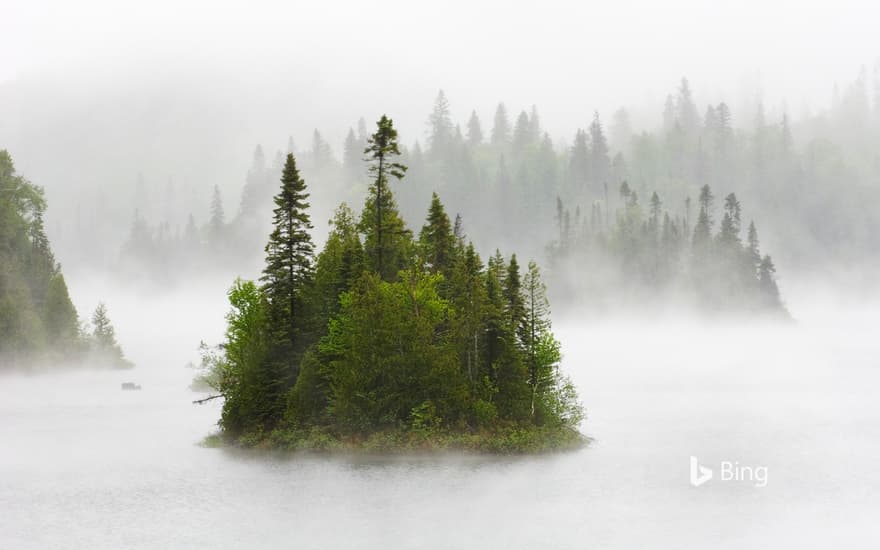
[626,148]
[89,466]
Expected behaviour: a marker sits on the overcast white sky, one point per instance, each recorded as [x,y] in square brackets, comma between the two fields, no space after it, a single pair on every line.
[98,91]
[553,53]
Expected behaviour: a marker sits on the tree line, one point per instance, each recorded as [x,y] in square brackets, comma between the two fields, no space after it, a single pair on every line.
[38,322]
[814,165]
[644,253]
[387,331]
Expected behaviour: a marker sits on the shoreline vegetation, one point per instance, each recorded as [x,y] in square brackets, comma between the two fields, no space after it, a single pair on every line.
[386,340]
[510,440]
[39,325]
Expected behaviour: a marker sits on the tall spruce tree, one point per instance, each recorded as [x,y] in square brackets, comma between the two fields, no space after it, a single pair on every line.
[500,128]
[600,162]
[286,278]
[437,239]
[474,130]
[387,239]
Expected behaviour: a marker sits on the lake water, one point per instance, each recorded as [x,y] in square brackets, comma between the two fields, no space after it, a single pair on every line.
[86,465]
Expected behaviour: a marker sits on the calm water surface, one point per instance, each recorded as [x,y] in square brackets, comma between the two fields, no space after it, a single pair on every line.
[86,465]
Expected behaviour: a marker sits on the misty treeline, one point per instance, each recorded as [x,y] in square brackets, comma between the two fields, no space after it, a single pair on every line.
[38,323]
[807,182]
[387,333]
[645,253]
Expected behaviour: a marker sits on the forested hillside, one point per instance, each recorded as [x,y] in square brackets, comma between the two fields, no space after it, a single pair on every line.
[387,338]
[38,322]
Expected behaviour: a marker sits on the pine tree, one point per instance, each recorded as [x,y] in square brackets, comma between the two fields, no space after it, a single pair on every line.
[217,222]
[474,130]
[351,159]
[440,129]
[286,278]
[521,134]
[500,128]
[105,349]
[513,298]
[469,298]
[767,284]
[730,223]
[706,200]
[60,318]
[534,125]
[753,247]
[600,162]
[579,163]
[437,240]
[656,206]
[386,239]
[686,109]
[322,155]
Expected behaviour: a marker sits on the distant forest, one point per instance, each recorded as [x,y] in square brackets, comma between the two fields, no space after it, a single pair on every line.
[38,322]
[807,183]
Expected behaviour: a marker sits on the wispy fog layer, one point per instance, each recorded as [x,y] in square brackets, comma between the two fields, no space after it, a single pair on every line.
[159,130]
[796,399]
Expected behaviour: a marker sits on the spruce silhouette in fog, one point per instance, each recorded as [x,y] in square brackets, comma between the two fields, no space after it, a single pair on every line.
[104,348]
[648,256]
[388,341]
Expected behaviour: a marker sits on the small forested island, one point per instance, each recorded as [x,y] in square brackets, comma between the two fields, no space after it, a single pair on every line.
[387,341]
[39,326]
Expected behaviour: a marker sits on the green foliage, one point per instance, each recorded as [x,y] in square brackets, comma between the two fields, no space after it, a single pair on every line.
[249,383]
[389,353]
[38,322]
[387,242]
[287,279]
[386,342]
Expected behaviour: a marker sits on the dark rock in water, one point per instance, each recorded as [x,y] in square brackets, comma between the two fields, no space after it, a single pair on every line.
[130,386]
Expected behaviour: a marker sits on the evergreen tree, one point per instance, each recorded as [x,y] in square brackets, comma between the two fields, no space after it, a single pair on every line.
[754,249]
[500,128]
[534,125]
[105,349]
[474,130]
[600,162]
[286,278]
[437,240]
[513,298]
[322,155]
[579,163]
[521,134]
[469,298]
[440,128]
[730,223]
[60,318]
[217,222]
[387,241]
[767,283]
[686,109]
[351,159]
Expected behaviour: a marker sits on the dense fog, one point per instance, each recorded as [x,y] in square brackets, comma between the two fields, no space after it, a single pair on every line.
[624,245]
